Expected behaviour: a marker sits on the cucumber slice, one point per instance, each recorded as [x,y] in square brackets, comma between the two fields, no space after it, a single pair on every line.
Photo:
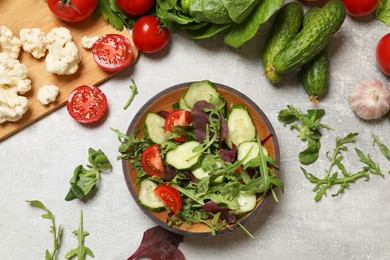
[183,105]
[199,174]
[183,157]
[154,128]
[252,148]
[247,203]
[241,127]
[148,198]
[203,90]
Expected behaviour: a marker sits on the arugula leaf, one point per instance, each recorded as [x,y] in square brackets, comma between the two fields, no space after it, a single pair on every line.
[332,177]
[81,251]
[131,147]
[383,12]
[114,15]
[84,180]
[53,229]
[308,126]
[134,92]
[384,149]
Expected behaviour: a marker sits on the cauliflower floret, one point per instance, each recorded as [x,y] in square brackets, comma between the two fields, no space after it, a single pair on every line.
[47,94]
[9,43]
[13,75]
[12,106]
[87,42]
[34,41]
[63,57]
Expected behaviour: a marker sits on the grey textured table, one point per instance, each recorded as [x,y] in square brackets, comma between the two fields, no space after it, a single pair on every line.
[38,162]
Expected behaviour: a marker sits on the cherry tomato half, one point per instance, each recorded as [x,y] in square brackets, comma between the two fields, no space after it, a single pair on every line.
[112,52]
[72,10]
[177,118]
[87,104]
[135,7]
[360,7]
[169,196]
[151,161]
[383,54]
[148,35]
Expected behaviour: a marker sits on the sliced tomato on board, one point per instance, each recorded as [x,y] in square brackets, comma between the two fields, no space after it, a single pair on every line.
[151,161]
[112,52]
[87,104]
[169,196]
[177,118]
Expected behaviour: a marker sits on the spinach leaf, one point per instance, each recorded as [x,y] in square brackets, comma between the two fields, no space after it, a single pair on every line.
[196,11]
[383,12]
[215,11]
[208,31]
[167,4]
[248,28]
[239,10]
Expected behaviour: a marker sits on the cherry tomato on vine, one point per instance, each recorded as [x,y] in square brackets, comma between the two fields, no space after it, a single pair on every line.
[360,7]
[135,7]
[72,10]
[87,104]
[169,196]
[383,54]
[112,52]
[151,161]
[148,34]
[177,118]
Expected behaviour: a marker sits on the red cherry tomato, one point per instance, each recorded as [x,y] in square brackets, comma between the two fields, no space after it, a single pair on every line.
[151,161]
[360,7]
[148,35]
[383,54]
[87,104]
[177,118]
[72,10]
[112,52]
[135,7]
[169,196]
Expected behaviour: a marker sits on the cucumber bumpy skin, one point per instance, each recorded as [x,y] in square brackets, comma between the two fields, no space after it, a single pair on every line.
[286,26]
[312,39]
[315,73]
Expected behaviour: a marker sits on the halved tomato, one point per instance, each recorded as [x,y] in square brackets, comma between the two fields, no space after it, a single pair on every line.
[112,52]
[87,104]
[151,161]
[169,196]
[177,118]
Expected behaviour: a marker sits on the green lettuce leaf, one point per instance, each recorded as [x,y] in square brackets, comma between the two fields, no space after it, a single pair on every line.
[383,12]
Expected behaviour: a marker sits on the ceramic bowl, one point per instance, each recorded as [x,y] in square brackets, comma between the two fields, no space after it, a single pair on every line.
[163,102]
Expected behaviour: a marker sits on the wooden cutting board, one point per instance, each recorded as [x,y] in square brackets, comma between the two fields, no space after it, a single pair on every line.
[19,14]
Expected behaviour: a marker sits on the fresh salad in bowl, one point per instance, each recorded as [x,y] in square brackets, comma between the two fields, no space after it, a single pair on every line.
[200,161]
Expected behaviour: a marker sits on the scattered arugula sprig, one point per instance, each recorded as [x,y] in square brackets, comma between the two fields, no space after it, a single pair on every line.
[81,251]
[383,148]
[309,127]
[114,15]
[134,92]
[332,177]
[84,180]
[53,229]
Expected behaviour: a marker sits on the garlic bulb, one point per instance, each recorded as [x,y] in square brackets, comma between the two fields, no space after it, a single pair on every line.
[370,99]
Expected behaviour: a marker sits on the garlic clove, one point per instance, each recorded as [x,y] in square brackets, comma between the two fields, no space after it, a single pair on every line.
[370,99]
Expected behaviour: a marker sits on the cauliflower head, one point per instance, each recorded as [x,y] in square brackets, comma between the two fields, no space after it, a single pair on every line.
[9,43]
[12,106]
[34,41]
[13,75]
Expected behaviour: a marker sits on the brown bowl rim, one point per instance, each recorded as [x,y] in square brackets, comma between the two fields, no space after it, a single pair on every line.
[125,164]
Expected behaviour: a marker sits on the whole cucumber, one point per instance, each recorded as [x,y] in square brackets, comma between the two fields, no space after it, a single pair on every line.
[286,26]
[312,39]
[315,73]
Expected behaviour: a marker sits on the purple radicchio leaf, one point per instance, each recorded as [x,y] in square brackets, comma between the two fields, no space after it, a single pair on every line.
[159,244]
[200,119]
[213,207]
[168,174]
[192,177]
[163,114]
[224,130]
[228,155]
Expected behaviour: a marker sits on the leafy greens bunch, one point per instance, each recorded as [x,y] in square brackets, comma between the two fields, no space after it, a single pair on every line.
[237,21]
[344,179]
[309,127]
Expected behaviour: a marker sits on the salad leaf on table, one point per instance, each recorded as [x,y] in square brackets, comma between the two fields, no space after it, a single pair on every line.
[383,148]
[333,178]
[84,180]
[53,229]
[309,127]
[134,92]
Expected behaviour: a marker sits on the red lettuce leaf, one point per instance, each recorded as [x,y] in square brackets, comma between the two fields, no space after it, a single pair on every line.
[228,155]
[213,207]
[168,174]
[200,119]
[159,244]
